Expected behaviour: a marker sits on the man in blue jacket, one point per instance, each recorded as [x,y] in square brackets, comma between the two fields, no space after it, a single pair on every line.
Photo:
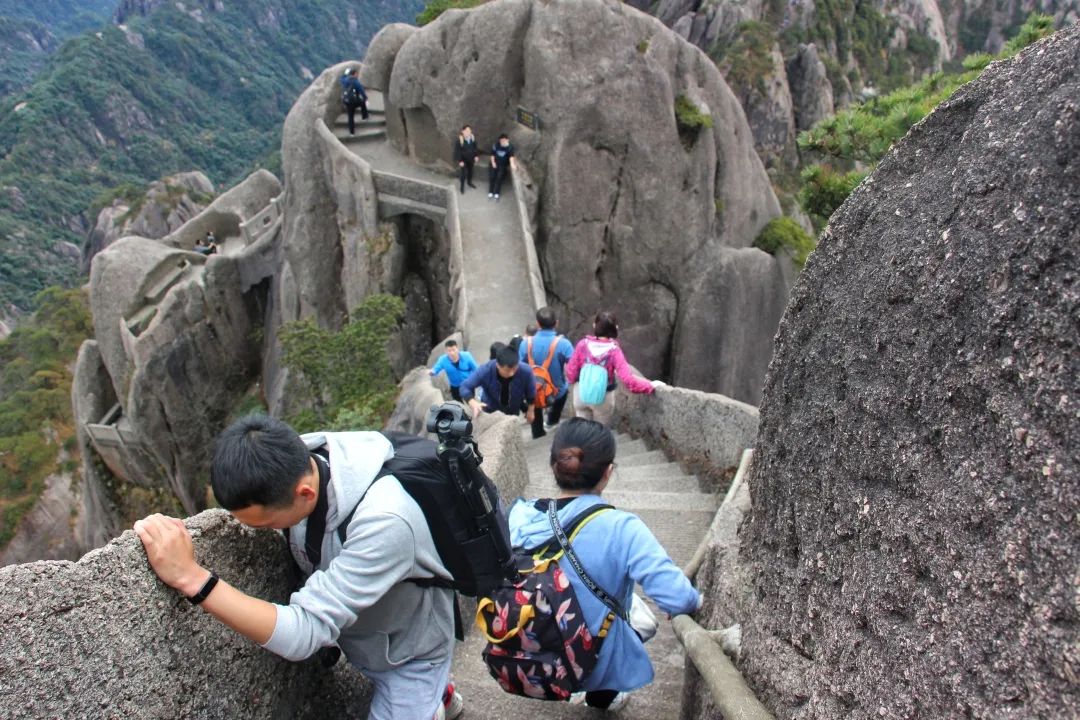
[507,384]
[457,364]
[534,352]
[353,96]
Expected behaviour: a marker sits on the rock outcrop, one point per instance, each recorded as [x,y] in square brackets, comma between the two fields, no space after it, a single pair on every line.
[165,207]
[633,212]
[916,479]
[811,91]
[104,638]
[175,344]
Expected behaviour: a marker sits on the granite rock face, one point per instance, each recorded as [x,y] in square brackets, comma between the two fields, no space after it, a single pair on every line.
[811,91]
[103,637]
[167,205]
[632,212]
[913,547]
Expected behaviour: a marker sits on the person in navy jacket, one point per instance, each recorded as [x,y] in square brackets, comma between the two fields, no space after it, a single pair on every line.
[507,385]
[353,96]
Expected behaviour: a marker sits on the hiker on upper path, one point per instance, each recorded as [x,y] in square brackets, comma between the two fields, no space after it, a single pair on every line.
[597,361]
[502,159]
[457,364]
[615,549]
[547,353]
[465,156]
[507,386]
[363,591]
[206,246]
[353,96]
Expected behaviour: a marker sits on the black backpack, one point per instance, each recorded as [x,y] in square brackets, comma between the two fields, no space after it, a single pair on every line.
[350,97]
[466,546]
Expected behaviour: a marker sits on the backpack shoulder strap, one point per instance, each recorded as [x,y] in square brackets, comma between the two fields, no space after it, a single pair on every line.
[551,352]
[612,604]
[528,351]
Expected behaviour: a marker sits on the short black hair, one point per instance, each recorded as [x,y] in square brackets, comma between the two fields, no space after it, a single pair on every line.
[451,343]
[257,461]
[504,136]
[545,318]
[507,357]
[605,325]
[495,348]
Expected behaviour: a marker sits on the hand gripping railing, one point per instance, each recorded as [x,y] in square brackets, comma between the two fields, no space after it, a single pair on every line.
[731,696]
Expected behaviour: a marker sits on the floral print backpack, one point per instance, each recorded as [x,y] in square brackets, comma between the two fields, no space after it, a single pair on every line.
[538,643]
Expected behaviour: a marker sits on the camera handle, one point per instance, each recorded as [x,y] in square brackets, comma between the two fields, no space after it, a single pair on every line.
[462,460]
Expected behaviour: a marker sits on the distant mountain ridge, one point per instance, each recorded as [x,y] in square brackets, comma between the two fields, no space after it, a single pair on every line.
[188,85]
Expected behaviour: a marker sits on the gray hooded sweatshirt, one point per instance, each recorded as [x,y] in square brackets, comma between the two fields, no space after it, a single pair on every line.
[358,598]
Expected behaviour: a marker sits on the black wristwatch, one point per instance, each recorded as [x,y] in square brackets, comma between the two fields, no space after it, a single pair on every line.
[204,592]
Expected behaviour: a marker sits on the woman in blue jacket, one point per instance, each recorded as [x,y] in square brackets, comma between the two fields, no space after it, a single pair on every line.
[616,549]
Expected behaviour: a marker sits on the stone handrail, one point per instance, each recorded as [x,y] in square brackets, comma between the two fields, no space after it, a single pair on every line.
[459,298]
[526,203]
[727,687]
[707,432]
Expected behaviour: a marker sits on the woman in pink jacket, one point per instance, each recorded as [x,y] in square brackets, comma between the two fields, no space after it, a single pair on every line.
[602,348]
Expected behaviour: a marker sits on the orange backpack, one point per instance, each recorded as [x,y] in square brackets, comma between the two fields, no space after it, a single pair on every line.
[545,386]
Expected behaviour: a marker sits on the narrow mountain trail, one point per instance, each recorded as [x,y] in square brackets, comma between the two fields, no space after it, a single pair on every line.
[495,271]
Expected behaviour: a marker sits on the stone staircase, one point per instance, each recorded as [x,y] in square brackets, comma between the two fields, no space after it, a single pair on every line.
[673,506]
[371,130]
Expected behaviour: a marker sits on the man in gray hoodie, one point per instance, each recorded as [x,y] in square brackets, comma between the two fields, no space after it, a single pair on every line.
[367,595]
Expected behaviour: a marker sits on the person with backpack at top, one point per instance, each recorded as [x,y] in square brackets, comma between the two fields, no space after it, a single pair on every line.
[353,96]
[502,159]
[376,586]
[465,153]
[597,361]
[457,364]
[547,354]
[614,548]
[507,386]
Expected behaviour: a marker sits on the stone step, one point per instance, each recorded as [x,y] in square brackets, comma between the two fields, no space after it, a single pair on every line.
[418,208]
[649,472]
[373,121]
[652,457]
[655,482]
[362,134]
[635,500]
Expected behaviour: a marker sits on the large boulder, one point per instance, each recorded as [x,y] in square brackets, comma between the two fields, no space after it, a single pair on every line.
[634,211]
[913,545]
[811,91]
[103,637]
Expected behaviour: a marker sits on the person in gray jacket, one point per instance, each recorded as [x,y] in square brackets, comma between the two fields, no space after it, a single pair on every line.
[358,595]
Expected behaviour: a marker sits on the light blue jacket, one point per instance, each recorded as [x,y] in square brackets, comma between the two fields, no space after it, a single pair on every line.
[541,344]
[455,374]
[616,550]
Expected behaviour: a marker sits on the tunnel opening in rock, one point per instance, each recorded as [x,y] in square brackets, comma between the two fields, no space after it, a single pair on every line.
[425,286]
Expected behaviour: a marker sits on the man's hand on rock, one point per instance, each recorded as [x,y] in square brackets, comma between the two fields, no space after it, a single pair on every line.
[172,556]
[530,414]
[476,407]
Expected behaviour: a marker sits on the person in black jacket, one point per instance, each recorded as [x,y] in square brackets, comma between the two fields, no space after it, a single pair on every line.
[465,155]
[502,159]
[353,96]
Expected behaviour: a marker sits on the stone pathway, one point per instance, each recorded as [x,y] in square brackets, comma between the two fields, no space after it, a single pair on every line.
[672,505]
[499,299]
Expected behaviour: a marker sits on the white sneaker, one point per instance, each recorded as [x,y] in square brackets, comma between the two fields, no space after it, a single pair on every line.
[577,698]
[491,195]
[496,197]
[455,707]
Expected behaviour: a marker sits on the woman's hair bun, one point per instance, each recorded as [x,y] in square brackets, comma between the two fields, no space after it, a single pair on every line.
[568,462]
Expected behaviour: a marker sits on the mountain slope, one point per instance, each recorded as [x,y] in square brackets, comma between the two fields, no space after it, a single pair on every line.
[201,85]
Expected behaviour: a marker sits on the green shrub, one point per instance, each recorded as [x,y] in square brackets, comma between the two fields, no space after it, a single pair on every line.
[689,116]
[824,190]
[861,135]
[435,8]
[1035,28]
[347,374]
[747,60]
[785,233]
